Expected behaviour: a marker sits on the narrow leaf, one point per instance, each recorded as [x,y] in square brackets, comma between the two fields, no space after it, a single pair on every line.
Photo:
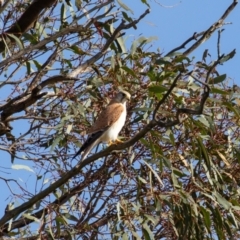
[155,174]
[157,89]
[219,91]
[124,6]
[18,41]
[21,167]
[218,79]
[204,152]
[228,56]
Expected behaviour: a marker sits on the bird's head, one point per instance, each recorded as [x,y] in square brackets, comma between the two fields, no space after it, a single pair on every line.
[122,96]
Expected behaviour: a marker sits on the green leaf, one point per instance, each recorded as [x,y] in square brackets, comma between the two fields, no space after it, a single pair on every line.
[136,235]
[77,50]
[140,41]
[142,180]
[218,218]
[145,2]
[222,201]
[126,17]
[10,224]
[161,61]
[70,217]
[204,152]
[203,120]
[63,13]
[218,79]
[228,56]
[28,65]
[157,89]
[28,216]
[124,6]
[175,181]
[231,107]
[178,172]
[219,91]
[206,217]
[18,41]
[148,235]
[55,142]
[234,219]
[38,65]
[49,230]
[152,218]
[147,39]
[229,230]
[30,37]
[125,236]
[155,173]
[78,4]
[22,167]
[128,70]
[121,44]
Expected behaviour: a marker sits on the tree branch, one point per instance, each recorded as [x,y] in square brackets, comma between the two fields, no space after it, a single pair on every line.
[114,36]
[65,31]
[205,34]
[193,37]
[26,99]
[166,95]
[27,19]
[74,171]
[62,199]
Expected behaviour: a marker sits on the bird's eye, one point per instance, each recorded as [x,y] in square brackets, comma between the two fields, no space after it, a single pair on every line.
[124,95]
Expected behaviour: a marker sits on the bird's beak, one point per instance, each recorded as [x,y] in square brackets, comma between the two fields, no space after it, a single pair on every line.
[128,96]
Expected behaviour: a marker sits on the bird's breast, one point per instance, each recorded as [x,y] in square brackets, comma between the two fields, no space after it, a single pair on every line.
[112,133]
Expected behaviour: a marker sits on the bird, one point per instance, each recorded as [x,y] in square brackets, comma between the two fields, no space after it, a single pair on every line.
[108,124]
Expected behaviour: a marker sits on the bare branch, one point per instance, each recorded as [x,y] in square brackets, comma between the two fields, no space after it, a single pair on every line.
[193,37]
[205,34]
[218,42]
[166,95]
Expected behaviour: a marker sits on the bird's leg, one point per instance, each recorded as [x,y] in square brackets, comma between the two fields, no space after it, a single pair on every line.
[118,141]
[115,142]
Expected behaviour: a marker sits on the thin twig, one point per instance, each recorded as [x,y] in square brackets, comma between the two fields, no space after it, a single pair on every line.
[193,37]
[207,34]
[114,36]
[218,42]
[166,95]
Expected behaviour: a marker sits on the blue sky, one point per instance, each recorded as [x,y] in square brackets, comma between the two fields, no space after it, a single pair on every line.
[176,21]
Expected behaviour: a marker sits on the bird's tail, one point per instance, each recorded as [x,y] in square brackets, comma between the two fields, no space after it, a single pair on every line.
[91,142]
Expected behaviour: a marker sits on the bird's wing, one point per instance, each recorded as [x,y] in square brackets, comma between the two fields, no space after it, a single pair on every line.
[90,143]
[107,117]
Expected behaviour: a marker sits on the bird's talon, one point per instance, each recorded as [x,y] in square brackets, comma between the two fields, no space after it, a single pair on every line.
[118,141]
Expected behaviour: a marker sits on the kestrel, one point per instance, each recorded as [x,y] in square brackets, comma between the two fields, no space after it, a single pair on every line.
[108,124]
